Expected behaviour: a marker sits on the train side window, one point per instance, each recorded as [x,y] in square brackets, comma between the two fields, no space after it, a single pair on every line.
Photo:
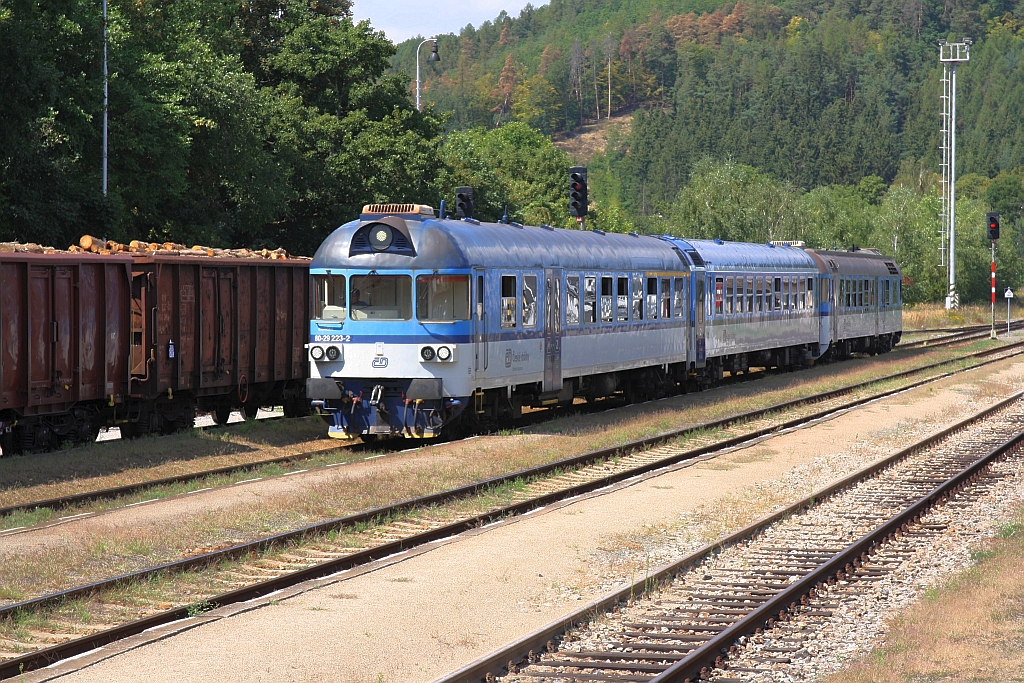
[860,292]
[758,293]
[847,295]
[888,292]
[638,296]
[480,297]
[572,300]
[529,301]
[801,298]
[508,301]
[330,300]
[750,295]
[666,298]
[622,299]
[729,295]
[899,292]
[719,289]
[677,298]
[778,295]
[652,298]
[590,300]
[810,292]
[741,294]
[606,299]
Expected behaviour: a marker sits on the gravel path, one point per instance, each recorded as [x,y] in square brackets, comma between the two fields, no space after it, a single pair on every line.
[414,618]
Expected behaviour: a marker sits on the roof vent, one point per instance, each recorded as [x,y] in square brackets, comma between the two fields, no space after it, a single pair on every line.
[415,209]
[799,244]
[892,268]
[695,257]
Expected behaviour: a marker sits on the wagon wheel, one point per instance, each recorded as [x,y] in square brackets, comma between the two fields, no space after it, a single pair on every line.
[221,414]
[249,410]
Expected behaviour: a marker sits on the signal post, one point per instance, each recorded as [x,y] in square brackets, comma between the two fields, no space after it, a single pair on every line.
[993,235]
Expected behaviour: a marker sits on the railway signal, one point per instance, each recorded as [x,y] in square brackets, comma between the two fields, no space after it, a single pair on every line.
[993,225]
[464,202]
[578,192]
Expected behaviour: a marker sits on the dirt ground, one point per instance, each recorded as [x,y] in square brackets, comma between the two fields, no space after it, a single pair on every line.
[418,616]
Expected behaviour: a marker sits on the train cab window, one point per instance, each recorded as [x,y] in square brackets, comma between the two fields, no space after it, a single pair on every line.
[508,301]
[652,298]
[666,298]
[572,300]
[606,300]
[677,298]
[590,300]
[330,297]
[529,301]
[801,298]
[442,298]
[380,297]
[729,296]
[622,299]
[719,293]
[810,293]
[638,297]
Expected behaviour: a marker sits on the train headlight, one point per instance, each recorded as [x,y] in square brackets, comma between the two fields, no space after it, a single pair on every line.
[444,353]
[381,236]
[317,352]
[427,353]
[333,353]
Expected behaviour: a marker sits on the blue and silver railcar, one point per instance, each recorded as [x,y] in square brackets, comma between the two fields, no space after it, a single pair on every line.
[761,306]
[865,301]
[421,323]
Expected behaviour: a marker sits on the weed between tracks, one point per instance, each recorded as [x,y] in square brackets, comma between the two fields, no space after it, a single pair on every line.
[92,555]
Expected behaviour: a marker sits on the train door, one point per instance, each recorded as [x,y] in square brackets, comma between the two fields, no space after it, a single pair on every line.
[553,329]
[41,333]
[218,325]
[479,322]
[63,325]
[699,306]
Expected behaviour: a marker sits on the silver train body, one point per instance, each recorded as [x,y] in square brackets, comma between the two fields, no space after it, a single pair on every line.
[420,324]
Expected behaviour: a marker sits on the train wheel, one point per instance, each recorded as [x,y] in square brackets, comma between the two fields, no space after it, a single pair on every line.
[221,414]
[296,407]
[249,411]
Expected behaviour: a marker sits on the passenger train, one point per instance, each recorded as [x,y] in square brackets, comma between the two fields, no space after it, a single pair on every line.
[422,324]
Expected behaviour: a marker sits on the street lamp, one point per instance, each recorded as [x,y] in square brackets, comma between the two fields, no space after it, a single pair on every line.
[434,57]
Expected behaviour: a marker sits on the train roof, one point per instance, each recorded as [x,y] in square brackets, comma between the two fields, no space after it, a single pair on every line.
[448,243]
[721,256]
[866,262]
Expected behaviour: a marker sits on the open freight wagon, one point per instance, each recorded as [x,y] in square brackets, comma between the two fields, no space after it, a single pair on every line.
[142,342]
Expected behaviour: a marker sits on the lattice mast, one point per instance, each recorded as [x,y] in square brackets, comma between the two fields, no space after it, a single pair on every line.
[950,55]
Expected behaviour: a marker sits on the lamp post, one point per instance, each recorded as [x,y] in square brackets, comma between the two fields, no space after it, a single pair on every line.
[106,102]
[434,57]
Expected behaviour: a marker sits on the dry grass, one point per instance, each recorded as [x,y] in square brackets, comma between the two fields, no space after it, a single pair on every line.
[930,316]
[88,556]
[970,629]
[118,463]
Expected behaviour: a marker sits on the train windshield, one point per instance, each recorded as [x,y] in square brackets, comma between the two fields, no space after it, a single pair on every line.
[330,297]
[442,297]
[380,297]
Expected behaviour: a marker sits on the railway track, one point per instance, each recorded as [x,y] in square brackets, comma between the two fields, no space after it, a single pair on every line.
[250,570]
[734,611]
[125,491]
[960,335]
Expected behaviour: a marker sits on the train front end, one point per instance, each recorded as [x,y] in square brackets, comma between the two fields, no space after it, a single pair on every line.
[390,327]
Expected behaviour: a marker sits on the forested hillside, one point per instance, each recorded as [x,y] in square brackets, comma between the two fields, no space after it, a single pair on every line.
[757,120]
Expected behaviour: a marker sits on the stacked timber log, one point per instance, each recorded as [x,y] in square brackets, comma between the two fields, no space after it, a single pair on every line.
[27,248]
[95,245]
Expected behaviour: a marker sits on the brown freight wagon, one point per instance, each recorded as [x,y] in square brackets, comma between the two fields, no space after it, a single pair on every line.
[144,341]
